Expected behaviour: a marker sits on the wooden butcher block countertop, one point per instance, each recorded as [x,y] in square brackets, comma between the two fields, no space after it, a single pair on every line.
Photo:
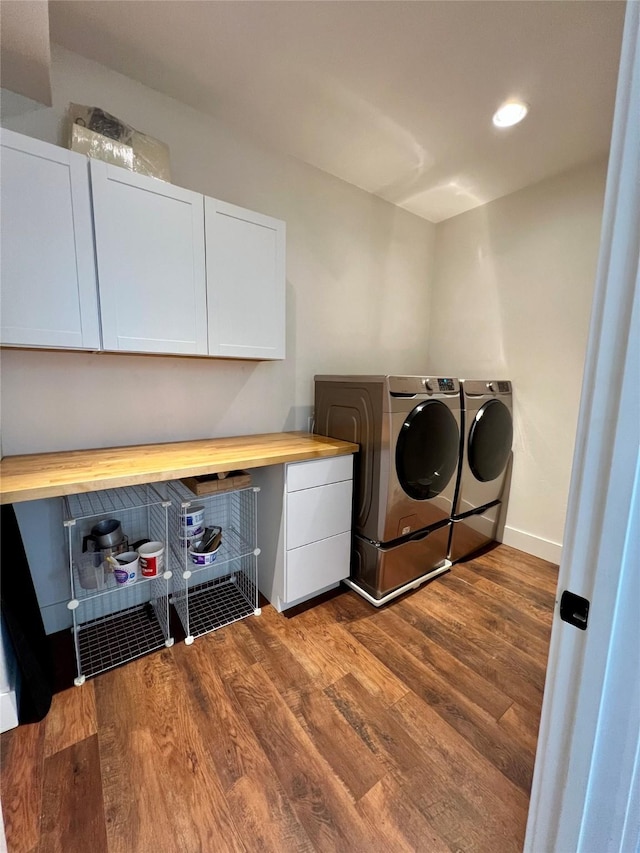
[49,475]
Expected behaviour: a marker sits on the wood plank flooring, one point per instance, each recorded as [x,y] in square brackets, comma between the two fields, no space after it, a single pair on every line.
[337,728]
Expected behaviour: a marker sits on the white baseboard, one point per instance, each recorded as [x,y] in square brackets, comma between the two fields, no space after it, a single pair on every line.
[8,710]
[9,682]
[3,840]
[536,545]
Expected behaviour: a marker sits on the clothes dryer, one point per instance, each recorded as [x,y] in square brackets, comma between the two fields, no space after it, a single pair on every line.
[487,430]
[408,429]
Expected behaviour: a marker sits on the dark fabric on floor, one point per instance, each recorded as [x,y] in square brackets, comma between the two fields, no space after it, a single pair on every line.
[23,621]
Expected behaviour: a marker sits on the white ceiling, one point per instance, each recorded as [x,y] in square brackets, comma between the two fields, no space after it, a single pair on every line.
[395,97]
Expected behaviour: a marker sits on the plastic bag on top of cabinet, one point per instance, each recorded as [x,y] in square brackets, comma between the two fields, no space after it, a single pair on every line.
[98,134]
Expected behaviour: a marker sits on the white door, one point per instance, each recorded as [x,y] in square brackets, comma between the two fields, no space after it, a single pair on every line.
[245,282]
[48,268]
[586,785]
[151,269]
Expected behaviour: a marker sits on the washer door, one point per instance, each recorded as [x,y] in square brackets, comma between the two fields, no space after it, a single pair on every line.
[427,450]
[490,439]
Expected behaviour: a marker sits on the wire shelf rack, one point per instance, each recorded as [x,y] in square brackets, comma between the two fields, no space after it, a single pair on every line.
[122,598]
[103,578]
[208,597]
[216,603]
[105,612]
[109,501]
[109,641]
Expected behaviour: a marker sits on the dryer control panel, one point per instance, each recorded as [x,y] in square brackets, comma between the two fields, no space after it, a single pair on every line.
[486,388]
[441,385]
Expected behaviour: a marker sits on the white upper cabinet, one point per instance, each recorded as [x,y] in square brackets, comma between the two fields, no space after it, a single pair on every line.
[245,282]
[47,260]
[151,263]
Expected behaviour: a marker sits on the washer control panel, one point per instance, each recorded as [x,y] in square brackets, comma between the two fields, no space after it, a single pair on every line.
[410,386]
[499,387]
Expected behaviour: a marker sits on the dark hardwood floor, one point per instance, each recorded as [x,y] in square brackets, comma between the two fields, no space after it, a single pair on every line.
[338,728]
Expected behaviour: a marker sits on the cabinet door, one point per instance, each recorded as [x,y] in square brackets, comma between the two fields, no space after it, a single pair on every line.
[245,282]
[150,254]
[48,268]
[312,568]
[318,513]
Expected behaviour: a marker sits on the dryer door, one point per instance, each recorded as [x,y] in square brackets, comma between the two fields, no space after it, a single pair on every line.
[427,450]
[490,439]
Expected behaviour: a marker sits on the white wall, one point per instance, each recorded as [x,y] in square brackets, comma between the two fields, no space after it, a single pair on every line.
[502,291]
[511,298]
[358,272]
[25,55]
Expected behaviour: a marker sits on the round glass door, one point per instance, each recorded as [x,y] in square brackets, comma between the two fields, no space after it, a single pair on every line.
[427,450]
[490,439]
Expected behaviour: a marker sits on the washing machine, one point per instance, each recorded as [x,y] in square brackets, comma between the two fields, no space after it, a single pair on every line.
[408,429]
[485,458]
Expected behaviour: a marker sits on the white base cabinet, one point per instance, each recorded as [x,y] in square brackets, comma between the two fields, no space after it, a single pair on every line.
[304,526]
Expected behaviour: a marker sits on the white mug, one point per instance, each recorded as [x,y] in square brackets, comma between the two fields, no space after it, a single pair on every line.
[127,569]
[151,559]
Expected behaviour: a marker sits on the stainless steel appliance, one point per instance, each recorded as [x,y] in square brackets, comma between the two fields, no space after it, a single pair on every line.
[487,428]
[408,429]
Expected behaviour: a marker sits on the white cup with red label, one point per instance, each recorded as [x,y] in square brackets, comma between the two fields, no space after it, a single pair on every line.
[151,559]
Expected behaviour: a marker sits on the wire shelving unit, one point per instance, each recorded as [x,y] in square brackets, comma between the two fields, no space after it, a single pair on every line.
[208,597]
[114,623]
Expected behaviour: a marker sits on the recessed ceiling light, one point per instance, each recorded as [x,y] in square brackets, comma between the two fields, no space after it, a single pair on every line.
[510,113]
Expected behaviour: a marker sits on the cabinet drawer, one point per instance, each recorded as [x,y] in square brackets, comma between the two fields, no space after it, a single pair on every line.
[319,472]
[314,514]
[316,566]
